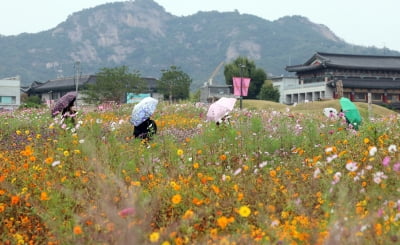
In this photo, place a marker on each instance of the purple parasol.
(64, 102)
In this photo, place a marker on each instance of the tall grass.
(273, 176)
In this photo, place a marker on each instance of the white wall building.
(292, 91)
(10, 93)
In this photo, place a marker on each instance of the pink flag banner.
(239, 83)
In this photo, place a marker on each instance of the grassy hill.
(316, 107)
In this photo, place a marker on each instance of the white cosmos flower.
(317, 172)
(392, 148)
(55, 163)
(237, 171)
(331, 158)
(378, 176)
(275, 223)
(373, 151)
(351, 166)
(263, 164)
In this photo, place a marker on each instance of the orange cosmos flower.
(176, 199)
(197, 201)
(49, 160)
(222, 222)
(215, 189)
(222, 157)
(188, 214)
(14, 200)
(44, 196)
(378, 229)
(78, 230)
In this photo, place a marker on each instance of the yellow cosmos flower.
(196, 165)
(175, 186)
(244, 211)
(188, 214)
(154, 237)
(176, 199)
(179, 152)
(18, 132)
(66, 153)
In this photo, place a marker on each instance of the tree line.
(113, 84)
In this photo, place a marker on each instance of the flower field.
(270, 177)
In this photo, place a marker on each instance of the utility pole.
(76, 79)
(241, 84)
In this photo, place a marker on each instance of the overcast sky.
(359, 22)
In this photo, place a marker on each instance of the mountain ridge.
(146, 38)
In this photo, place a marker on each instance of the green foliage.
(174, 84)
(195, 97)
(113, 84)
(31, 102)
(242, 67)
(268, 92)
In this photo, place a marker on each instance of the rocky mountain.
(146, 38)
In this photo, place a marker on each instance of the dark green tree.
(113, 84)
(268, 92)
(246, 68)
(174, 84)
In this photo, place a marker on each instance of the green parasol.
(351, 112)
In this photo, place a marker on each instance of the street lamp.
(241, 66)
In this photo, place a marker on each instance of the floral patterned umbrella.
(67, 100)
(143, 110)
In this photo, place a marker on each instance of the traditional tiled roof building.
(354, 76)
(54, 89)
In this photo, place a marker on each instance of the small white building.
(293, 91)
(10, 93)
(211, 93)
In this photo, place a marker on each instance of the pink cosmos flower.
(127, 211)
(396, 167)
(386, 161)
